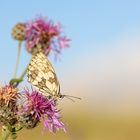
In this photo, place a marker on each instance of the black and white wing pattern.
(42, 76)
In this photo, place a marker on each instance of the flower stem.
(5, 133)
(24, 73)
(16, 81)
(17, 60)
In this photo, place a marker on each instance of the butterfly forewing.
(42, 75)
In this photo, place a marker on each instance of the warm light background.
(102, 66)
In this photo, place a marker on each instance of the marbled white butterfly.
(42, 76)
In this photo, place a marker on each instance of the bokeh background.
(102, 66)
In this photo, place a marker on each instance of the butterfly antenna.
(70, 97)
(73, 97)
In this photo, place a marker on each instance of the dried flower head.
(44, 32)
(38, 108)
(8, 108)
(19, 32)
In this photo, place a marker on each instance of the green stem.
(5, 133)
(24, 73)
(17, 60)
(16, 81)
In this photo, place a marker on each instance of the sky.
(103, 62)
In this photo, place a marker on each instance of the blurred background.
(102, 66)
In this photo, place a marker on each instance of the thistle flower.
(37, 108)
(44, 32)
(8, 108)
(19, 32)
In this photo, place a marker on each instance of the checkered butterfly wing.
(42, 75)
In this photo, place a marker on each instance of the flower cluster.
(41, 34)
(27, 108)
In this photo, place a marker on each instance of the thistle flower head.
(8, 108)
(19, 32)
(40, 108)
(44, 32)
(8, 94)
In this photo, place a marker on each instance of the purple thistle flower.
(44, 32)
(43, 109)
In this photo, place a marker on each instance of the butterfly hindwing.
(42, 75)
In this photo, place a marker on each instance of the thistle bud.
(19, 32)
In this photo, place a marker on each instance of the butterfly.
(42, 76)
